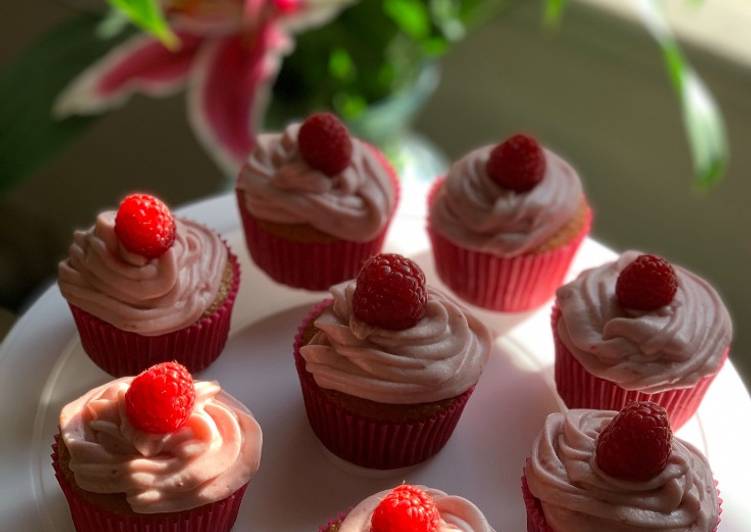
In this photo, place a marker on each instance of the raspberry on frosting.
(161, 398)
(637, 443)
(144, 225)
(517, 164)
(647, 283)
(325, 144)
(390, 292)
(405, 509)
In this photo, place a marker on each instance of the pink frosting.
(457, 514)
(214, 454)
(148, 297)
(475, 213)
(281, 187)
(577, 497)
(672, 347)
(441, 357)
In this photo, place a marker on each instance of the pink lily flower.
(229, 54)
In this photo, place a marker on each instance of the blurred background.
(592, 85)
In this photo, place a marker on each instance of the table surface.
(36, 367)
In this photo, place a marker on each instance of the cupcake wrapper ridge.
(580, 389)
(121, 353)
(368, 442)
(505, 284)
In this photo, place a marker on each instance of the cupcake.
(145, 287)
(639, 329)
(413, 509)
(505, 224)
(387, 366)
(156, 452)
(315, 203)
(600, 470)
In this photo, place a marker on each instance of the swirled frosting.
(457, 514)
(214, 454)
(281, 187)
(441, 357)
(474, 212)
(577, 497)
(133, 293)
(652, 351)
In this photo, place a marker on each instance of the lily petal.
(141, 64)
(228, 89)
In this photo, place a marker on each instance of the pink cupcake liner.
(88, 517)
(310, 265)
(371, 442)
(536, 516)
(122, 353)
(580, 389)
(512, 284)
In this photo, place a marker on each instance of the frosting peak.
(355, 204)
(473, 211)
(577, 497)
(213, 455)
(652, 351)
(439, 358)
(457, 514)
(133, 293)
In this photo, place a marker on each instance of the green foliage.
(554, 12)
(372, 50)
(29, 136)
(147, 15)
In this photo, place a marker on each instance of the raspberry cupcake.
(639, 329)
(315, 203)
(413, 509)
(600, 470)
(505, 224)
(156, 452)
(388, 365)
(145, 287)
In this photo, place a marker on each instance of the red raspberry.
(517, 164)
(390, 292)
(405, 509)
(161, 398)
(325, 144)
(648, 283)
(144, 225)
(637, 443)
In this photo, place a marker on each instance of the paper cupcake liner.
(369, 442)
(536, 516)
(310, 265)
(121, 353)
(512, 284)
(580, 389)
(88, 517)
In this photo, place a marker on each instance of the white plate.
(300, 485)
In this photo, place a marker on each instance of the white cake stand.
(300, 485)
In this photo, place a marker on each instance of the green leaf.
(553, 12)
(411, 16)
(29, 85)
(147, 14)
(702, 118)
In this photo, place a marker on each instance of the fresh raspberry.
(161, 398)
(405, 509)
(144, 225)
(390, 292)
(637, 443)
(325, 144)
(517, 164)
(648, 283)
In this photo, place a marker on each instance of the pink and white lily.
(229, 54)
